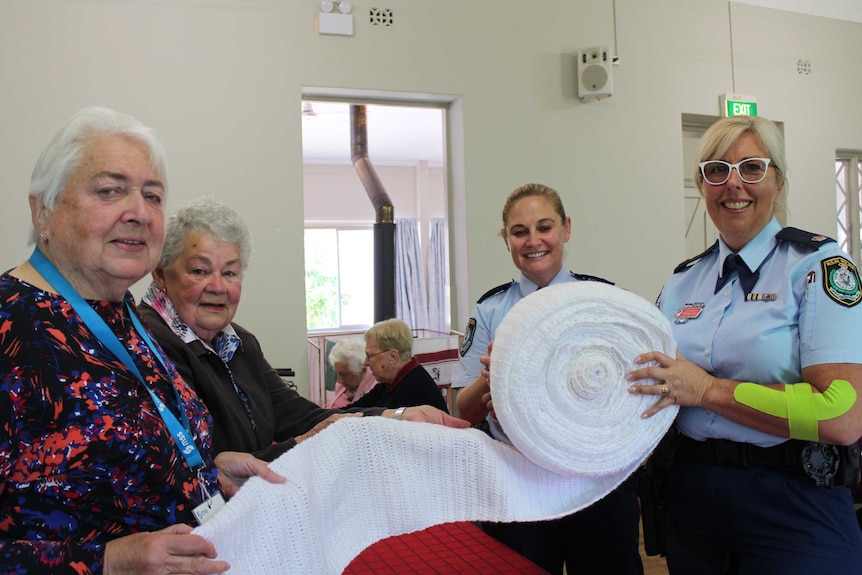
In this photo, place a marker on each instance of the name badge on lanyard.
(212, 503)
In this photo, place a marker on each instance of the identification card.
(205, 511)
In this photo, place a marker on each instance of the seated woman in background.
(403, 382)
(190, 307)
(347, 358)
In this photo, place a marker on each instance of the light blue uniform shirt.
(789, 321)
(488, 315)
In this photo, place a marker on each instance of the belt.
(826, 465)
(786, 456)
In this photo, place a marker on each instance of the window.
(848, 183)
(339, 277)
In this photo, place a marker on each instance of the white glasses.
(750, 171)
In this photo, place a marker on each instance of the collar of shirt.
(527, 286)
(402, 373)
(755, 251)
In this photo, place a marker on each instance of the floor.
(653, 565)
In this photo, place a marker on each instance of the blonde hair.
(725, 132)
(392, 334)
(528, 190)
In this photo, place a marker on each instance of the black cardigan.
(279, 413)
(416, 387)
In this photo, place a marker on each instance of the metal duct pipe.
(384, 222)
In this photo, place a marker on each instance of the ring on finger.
(665, 388)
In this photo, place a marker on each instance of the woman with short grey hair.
(206, 216)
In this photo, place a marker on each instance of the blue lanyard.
(181, 432)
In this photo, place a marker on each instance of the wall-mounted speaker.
(595, 76)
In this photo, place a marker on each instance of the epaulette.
(586, 278)
(690, 262)
(801, 237)
(494, 291)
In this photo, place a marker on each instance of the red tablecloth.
(449, 549)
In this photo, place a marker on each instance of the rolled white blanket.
(415, 475)
(558, 373)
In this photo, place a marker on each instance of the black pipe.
(384, 212)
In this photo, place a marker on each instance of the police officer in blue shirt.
(767, 323)
(602, 539)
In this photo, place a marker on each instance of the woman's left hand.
(235, 467)
(680, 381)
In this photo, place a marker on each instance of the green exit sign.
(737, 105)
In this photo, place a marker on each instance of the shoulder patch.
(469, 332)
(684, 266)
(588, 278)
(807, 239)
(494, 291)
(841, 281)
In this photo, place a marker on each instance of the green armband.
(799, 404)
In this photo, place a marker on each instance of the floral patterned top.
(84, 455)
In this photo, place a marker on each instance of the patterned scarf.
(226, 341)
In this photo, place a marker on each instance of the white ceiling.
(400, 135)
(850, 10)
(397, 135)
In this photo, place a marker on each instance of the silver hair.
(349, 351)
(207, 216)
(61, 157)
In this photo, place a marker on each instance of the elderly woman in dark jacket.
(403, 380)
(189, 307)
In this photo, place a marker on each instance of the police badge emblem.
(468, 336)
(841, 281)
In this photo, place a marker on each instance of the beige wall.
(222, 81)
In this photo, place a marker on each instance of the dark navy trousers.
(759, 521)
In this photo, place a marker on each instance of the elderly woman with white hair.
(105, 454)
(190, 307)
(354, 379)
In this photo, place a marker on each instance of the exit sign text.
(736, 105)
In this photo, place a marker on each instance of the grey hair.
(63, 154)
(207, 216)
(349, 351)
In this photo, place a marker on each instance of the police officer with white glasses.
(768, 375)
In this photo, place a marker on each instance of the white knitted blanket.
(415, 475)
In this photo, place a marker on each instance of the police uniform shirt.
(801, 311)
(487, 316)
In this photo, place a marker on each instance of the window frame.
(847, 187)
